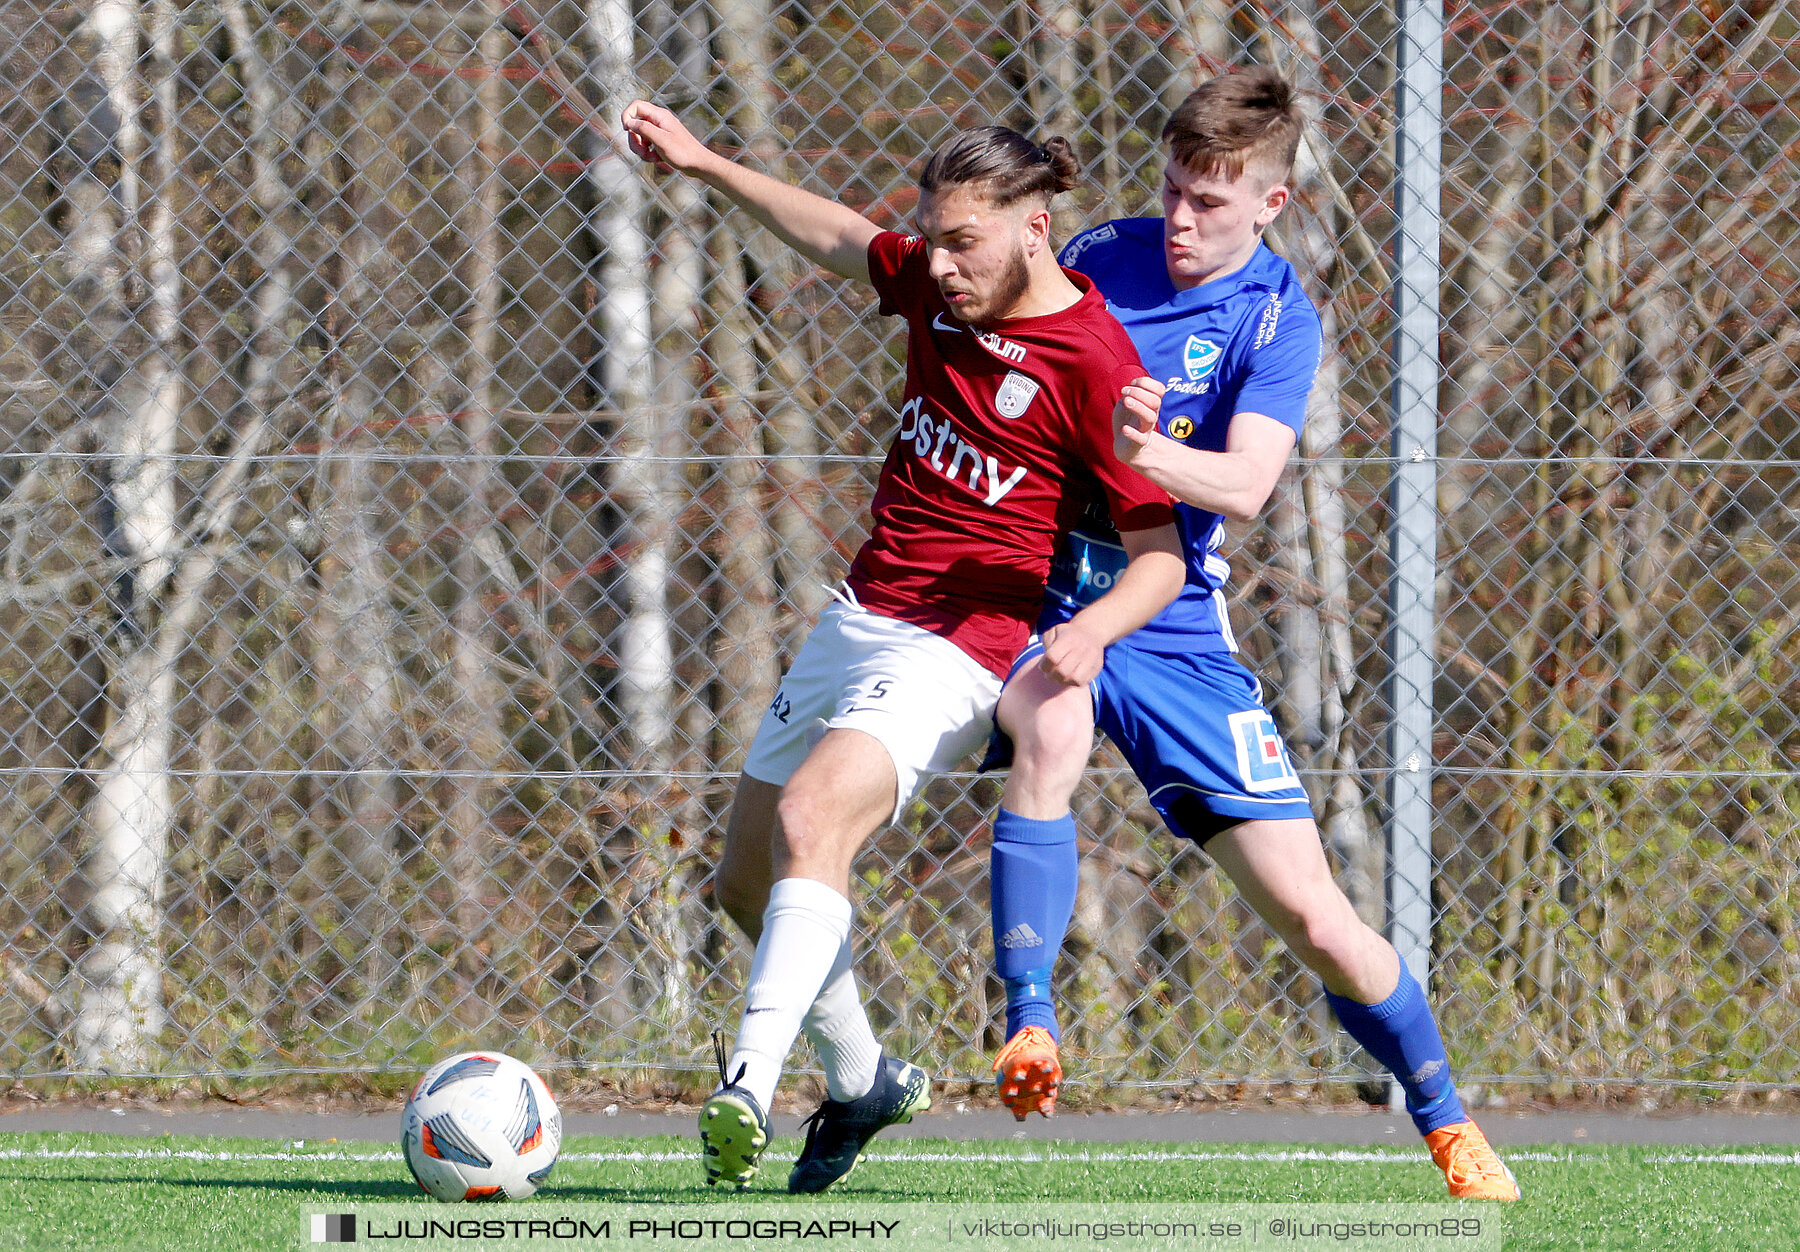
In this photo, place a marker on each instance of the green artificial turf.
(101, 1192)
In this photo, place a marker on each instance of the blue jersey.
(1246, 343)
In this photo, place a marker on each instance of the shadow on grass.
(651, 1193)
(397, 1190)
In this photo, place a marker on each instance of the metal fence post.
(1418, 94)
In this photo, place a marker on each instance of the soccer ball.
(480, 1126)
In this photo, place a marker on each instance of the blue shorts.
(1193, 728)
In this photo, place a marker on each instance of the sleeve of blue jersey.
(1088, 247)
(1278, 376)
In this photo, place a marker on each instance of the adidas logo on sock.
(1021, 936)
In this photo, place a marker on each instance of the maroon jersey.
(1004, 434)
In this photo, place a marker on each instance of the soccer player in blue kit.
(1223, 322)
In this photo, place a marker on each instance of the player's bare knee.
(809, 832)
(1056, 744)
(1326, 942)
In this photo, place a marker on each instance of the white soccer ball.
(480, 1126)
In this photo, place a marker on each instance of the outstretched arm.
(827, 233)
(1236, 482)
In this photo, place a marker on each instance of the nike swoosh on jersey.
(938, 323)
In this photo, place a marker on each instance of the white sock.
(804, 926)
(840, 1033)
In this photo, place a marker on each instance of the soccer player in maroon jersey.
(1017, 382)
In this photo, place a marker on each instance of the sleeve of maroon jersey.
(1136, 502)
(896, 263)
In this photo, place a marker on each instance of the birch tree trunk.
(643, 435)
(132, 813)
(646, 438)
(119, 1009)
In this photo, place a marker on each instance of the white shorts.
(928, 702)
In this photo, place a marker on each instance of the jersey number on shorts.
(1262, 759)
(863, 698)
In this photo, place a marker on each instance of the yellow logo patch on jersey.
(1181, 427)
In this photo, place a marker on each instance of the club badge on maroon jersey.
(1015, 395)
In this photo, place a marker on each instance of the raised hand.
(657, 135)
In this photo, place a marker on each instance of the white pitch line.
(183, 1154)
(1731, 1158)
(1306, 1155)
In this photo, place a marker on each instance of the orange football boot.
(1471, 1166)
(1029, 1073)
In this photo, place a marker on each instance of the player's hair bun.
(1064, 165)
(1003, 163)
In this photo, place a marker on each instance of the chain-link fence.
(408, 506)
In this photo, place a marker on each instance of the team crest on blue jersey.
(1015, 395)
(1181, 427)
(1200, 357)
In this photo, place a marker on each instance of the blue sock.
(1401, 1033)
(1032, 884)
